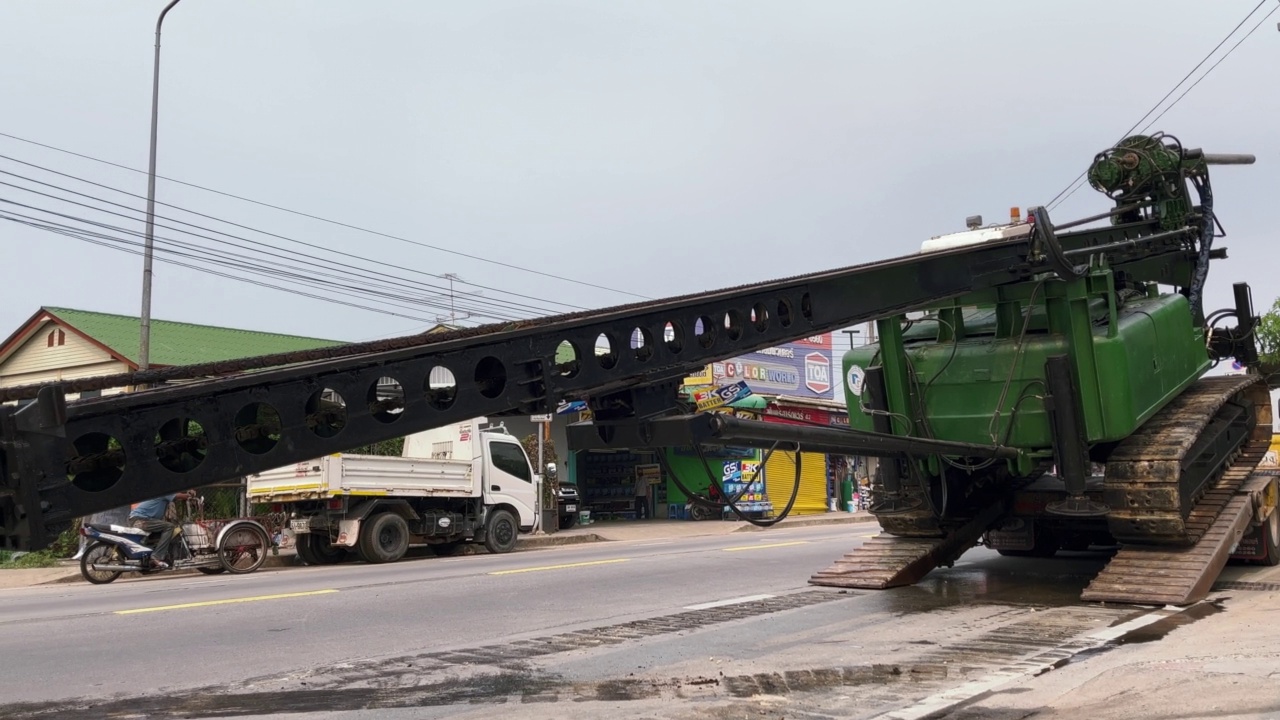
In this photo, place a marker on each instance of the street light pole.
(144, 345)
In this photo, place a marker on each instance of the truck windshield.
(509, 458)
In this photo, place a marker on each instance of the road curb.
(541, 541)
(856, 518)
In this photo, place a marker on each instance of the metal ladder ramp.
(886, 561)
(1184, 576)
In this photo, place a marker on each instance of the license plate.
(300, 525)
(571, 508)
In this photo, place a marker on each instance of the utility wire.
(263, 232)
(293, 291)
(1211, 67)
(256, 270)
(1076, 184)
(441, 304)
(235, 260)
(331, 222)
(359, 271)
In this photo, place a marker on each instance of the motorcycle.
(209, 546)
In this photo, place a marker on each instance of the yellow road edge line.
(207, 603)
(763, 546)
(559, 567)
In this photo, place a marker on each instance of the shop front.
(820, 475)
(788, 384)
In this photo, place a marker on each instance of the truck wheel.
(384, 538)
(100, 553)
(303, 546)
(568, 521)
(500, 532)
(323, 550)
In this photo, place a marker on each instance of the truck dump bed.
(337, 475)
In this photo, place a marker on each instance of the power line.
(236, 260)
(544, 310)
(440, 304)
(294, 291)
(1076, 184)
(331, 222)
(230, 263)
(1211, 67)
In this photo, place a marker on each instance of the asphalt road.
(191, 631)
(704, 628)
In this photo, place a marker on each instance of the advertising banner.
(743, 476)
(801, 368)
(709, 399)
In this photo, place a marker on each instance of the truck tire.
(500, 532)
(303, 546)
(384, 538)
(320, 550)
(568, 521)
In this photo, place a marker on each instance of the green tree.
(550, 486)
(1268, 340)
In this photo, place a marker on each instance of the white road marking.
(1027, 668)
(730, 601)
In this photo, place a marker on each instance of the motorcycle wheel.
(212, 570)
(99, 552)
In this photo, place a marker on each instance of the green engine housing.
(972, 372)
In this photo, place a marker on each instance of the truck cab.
(497, 459)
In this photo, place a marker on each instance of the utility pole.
(144, 344)
(453, 313)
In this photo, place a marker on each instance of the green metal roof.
(178, 343)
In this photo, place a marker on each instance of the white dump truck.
(467, 482)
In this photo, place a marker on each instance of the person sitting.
(149, 515)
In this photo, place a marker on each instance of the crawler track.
(1210, 437)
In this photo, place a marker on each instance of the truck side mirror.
(551, 470)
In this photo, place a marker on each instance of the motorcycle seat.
(117, 529)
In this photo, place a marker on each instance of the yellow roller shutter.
(780, 478)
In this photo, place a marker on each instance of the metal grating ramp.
(1160, 576)
(886, 561)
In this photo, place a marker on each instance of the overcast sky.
(649, 147)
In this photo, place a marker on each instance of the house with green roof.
(62, 343)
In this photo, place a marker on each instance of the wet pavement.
(990, 637)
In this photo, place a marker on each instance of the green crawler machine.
(1035, 387)
(1097, 375)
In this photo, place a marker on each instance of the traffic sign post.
(542, 421)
